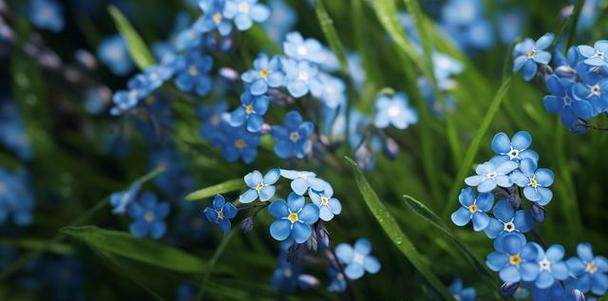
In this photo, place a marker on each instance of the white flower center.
(358, 258)
(303, 75)
(509, 227)
(394, 111)
(513, 154)
(302, 50)
(491, 175)
(596, 90)
(244, 7)
(544, 264)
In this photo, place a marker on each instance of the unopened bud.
(508, 288)
(247, 225)
(537, 212)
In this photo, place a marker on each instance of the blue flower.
(394, 111)
(550, 267)
(265, 73)
(491, 174)
(262, 187)
(511, 24)
(213, 17)
(592, 88)
(301, 77)
(357, 258)
(535, 180)
(221, 213)
(337, 280)
(507, 220)
(590, 272)
(113, 53)
(281, 20)
(46, 14)
(303, 180)
(292, 137)
(444, 66)
(333, 91)
(300, 49)
(473, 208)
(245, 12)
(528, 53)
(561, 101)
(514, 259)
(461, 293)
(192, 73)
(211, 117)
(148, 217)
(285, 277)
(121, 200)
(293, 218)
(16, 198)
(328, 205)
(515, 148)
(596, 55)
(465, 22)
(189, 38)
(251, 111)
(239, 143)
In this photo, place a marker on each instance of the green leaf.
(228, 186)
(471, 152)
(391, 228)
(141, 250)
(327, 25)
(137, 48)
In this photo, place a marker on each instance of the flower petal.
(280, 229)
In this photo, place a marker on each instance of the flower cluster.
(512, 175)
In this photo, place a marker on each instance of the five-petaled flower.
(514, 258)
(260, 186)
(292, 137)
(357, 258)
(303, 180)
(221, 212)
(528, 53)
(591, 272)
(294, 218)
(265, 73)
(251, 111)
(301, 77)
(507, 220)
(244, 12)
(213, 17)
(535, 181)
(491, 174)
(394, 111)
(328, 205)
(562, 101)
(192, 73)
(550, 267)
(596, 55)
(516, 148)
(148, 217)
(473, 208)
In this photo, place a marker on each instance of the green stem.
(216, 256)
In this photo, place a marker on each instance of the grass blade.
(216, 256)
(327, 25)
(394, 232)
(137, 48)
(228, 186)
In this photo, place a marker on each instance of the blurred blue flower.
(301, 181)
(337, 280)
(590, 272)
(46, 14)
(464, 21)
(596, 55)
(192, 73)
(492, 174)
(13, 133)
(333, 91)
(281, 20)
(189, 38)
(265, 73)
(328, 205)
(514, 259)
(16, 197)
(113, 53)
(213, 17)
(300, 49)
(394, 111)
(285, 277)
(507, 220)
(148, 217)
(516, 148)
(239, 143)
(510, 25)
(444, 67)
(245, 12)
(251, 112)
(301, 77)
(293, 137)
(293, 218)
(97, 99)
(211, 119)
(221, 213)
(461, 293)
(529, 53)
(121, 200)
(357, 258)
(535, 180)
(260, 186)
(550, 267)
(561, 101)
(473, 208)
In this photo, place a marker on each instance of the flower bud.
(247, 225)
(578, 295)
(323, 236)
(508, 288)
(537, 212)
(391, 148)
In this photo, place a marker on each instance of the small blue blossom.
(245, 12)
(514, 258)
(265, 73)
(550, 267)
(293, 137)
(465, 22)
(46, 14)
(221, 213)
(591, 272)
(121, 200)
(300, 49)
(596, 55)
(535, 180)
(281, 20)
(516, 148)
(461, 293)
(251, 112)
(444, 67)
(189, 38)
(303, 180)
(301, 77)
(126, 99)
(491, 174)
(507, 220)
(333, 91)
(113, 53)
(192, 73)
(473, 208)
(337, 280)
(213, 17)
(211, 118)
(394, 111)
(285, 277)
(511, 25)
(593, 88)
(239, 143)
(529, 53)
(357, 258)
(148, 217)
(328, 205)
(293, 218)
(561, 101)
(260, 186)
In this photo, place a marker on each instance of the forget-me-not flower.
(211, 118)
(596, 55)
(260, 186)
(491, 174)
(294, 218)
(113, 53)
(550, 267)
(301, 77)
(394, 111)
(213, 17)
(561, 101)
(535, 180)
(593, 87)
(461, 293)
(46, 14)
(281, 20)
(328, 205)
(333, 91)
(514, 258)
(251, 111)
(357, 258)
(528, 53)
(507, 220)
(239, 143)
(221, 213)
(301, 181)
(265, 73)
(148, 217)
(473, 208)
(591, 272)
(285, 277)
(298, 48)
(292, 137)
(245, 12)
(192, 73)
(515, 148)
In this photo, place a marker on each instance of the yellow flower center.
(294, 136)
(215, 119)
(533, 183)
(133, 93)
(293, 217)
(193, 71)
(531, 54)
(217, 18)
(515, 259)
(324, 200)
(149, 216)
(244, 7)
(591, 267)
(240, 144)
(260, 186)
(264, 73)
(248, 109)
(473, 208)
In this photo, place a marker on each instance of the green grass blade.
(137, 48)
(327, 26)
(228, 186)
(394, 232)
(216, 256)
(469, 157)
(141, 250)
